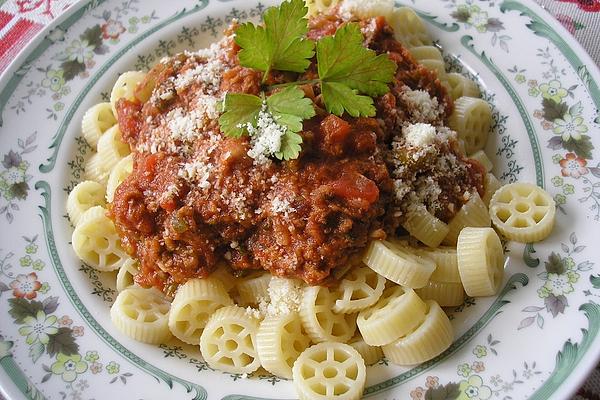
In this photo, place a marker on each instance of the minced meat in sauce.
(196, 199)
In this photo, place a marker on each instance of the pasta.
(194, 302)
(523, 212)
(472, 120)
(370, 354)
(480, 156)
(228, 341)
(490, 184)
(279, 342)
(426, 53)
(398, 265)
(461, 86)
(425, 226)
(409, 28)
(126, 274)
(96, 242)
(97, 120)
(472, 213)
(446, 263)
(112, 149)
(85, 195)
(329, 371)
(397, 313)
(480, 261)
(427, 341)
(95, 170)
(359, 289)
(125, 88)
(117, 175)
(142, 314)
(251, 290)
(319, 320)
(446, 294)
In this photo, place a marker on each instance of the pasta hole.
(231, 345)
(322, 298)
(219, 332)
(319, 357)
(307, 371)
(503, 214)
(340, 356)
(182, 326)
(322, 319)
(319, 388)
(150, 317)
(290, 361)
(339, 389)
(212, 349)
(245, 359)
(538, 215)
(522, 207)
(338, 329)
(330, 372)
(352, 372)
(298, 346)
(520, 223)
(359, 294)
(131, 313)
(201, 318)
(226, 361)
(235, 328)
(112, 259)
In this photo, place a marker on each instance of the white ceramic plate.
(537, 339)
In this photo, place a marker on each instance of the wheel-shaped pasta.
(142, 314)
(472, 120)
(320, 6)
(429, 340)
(85, 195)
(483, 159)
(112, 149)
(367, 9)
(319, 320)
(490, 185)
(446, 261)
(398, 312)
(117, 175)
(195, 301)
(446, 294)
(125, 88)
(359, 289)
(426, 53)
(96, 169)
(228, 342)
(398, 264)
(472, 213)
(96, 121)
(409, 28)
(370, 354)
(424, 226)
(480, 261)
(461, 86)
(523, 212)
(126, 274)
(223, 274)
(279, 342)
(96, 241)
(437, 66)
(329, 371)
(254, 289)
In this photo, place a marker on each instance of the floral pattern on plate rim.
(52, 337)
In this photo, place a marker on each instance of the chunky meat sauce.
(194, 204)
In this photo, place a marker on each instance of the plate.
(536, 340)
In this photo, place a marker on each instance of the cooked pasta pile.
(388, 302)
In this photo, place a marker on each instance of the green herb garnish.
(349, 74)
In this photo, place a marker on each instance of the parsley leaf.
(288, 108)
(280, 44)
(342, 60)
(239, 109)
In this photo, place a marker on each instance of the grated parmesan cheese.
(265, 138)
(422, 107)
(419, 135)
(196, 171)
(285, 296)
(282, 206)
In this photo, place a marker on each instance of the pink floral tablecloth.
(20, 20)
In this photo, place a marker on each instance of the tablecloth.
(20, 20)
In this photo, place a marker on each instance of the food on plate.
(287, 186)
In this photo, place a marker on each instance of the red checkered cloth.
(20, 20)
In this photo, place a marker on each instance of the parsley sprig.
(349, 74)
